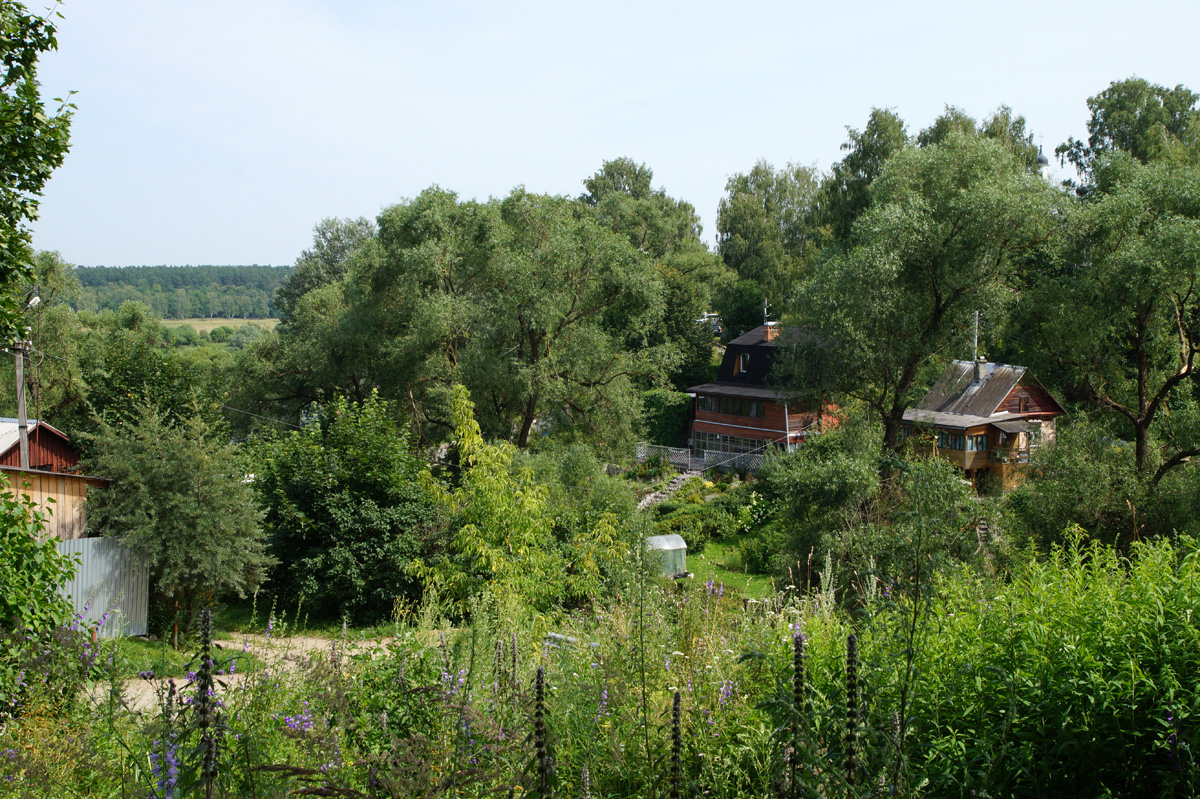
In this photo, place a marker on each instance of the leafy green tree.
(504, 539)
(1136, 117)
(668, 232)
(181, 498)
(1001, 127)
(846, 191)
(657, 224)
(334, 242)
(762, 224)
(345, 512)
(35, 144)
(1116, 322)
(946, 226)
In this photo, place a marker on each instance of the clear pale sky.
(220, 132)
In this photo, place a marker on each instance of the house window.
(1022, 404)
(977, 443)
(741, 363)
(948, 440)
(735, 445)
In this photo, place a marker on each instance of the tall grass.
(1076, 677)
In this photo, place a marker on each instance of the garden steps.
(650, 500)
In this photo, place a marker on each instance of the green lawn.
(722, 563)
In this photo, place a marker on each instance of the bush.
(32, 572)
(181, 499)
(345, 511)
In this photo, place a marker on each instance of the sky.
(221, 132)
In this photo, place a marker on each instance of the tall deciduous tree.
(846, 191)
(763, 233)
(1136, 117)
(1120, 319)
(334, 242)
(945, 226)
(180, 498)
(666, 230)
(35, 144)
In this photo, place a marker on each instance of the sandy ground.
(286, 653)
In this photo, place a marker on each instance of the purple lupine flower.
(727, 690)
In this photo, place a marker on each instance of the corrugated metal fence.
(110, 579)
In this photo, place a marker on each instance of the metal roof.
(758, 336)
(736, 390)
(957, 391)
(10, 433)
(956, 421)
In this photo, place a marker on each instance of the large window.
(977, 443)
(948, 440)
(719, 442)
(734, 406)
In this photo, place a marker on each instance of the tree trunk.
(527, 421)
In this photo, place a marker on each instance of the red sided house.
(986, 418)
(49, 449)
(741, 414)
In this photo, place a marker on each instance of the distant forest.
(183, 292)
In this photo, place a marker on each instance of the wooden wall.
(1037, 400)
(66, 515)
(771, 426)
(47, 452)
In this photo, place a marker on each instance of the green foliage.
(818, 495)
(32, 572)
(182, 292)
(666, 414)
(334, 241)
(762, 224)
(1136, 117)
(180, 497)
(503, 541)
(35, 144)
(1076, 677)
(846, 191)
(344, 512)
(1115, 322)
(947, 226)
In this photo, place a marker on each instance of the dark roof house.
(741, 415)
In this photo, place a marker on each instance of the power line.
(260, 416)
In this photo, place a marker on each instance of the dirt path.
(275, 653)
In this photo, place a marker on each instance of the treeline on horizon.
(183, 292)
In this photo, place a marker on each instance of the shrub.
(345, 511)
(32, 572)
(180, 498)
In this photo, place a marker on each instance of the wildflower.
(146, 675)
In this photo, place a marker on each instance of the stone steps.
(650, 500)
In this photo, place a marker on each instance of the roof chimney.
(772, 331)
(980, 366)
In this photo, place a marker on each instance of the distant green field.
(212, 324)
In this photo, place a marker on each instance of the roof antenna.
(975, 359)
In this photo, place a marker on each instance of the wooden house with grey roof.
(985, 417)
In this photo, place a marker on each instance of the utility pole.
(19, 349)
